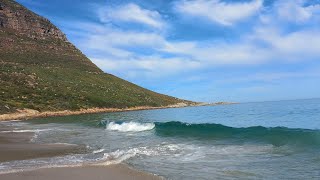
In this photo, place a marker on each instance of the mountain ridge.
(41, 70)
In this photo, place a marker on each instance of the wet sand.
(112, 172)
(17, 146)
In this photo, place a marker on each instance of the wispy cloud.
(121, 38)
(131, 13)
(262, 46)
(166, 55)
(284, 32)
(290, 46)
(273, 77)
(295, 10)
(148, 66)
(218, 11)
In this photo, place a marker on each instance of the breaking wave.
(129, 126)
(276, 136)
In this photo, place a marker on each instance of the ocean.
(263, 140)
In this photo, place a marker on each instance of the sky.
(201, 50)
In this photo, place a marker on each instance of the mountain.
(41, 70)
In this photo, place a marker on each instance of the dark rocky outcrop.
(16, 17)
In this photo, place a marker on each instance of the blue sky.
(202, 50)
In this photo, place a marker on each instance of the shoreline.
(26, 114)
(16, 145)
(13, 143)
(111, 172)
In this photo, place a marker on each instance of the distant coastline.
(221, 103)
(25, 114)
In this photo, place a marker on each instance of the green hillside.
(41, 70)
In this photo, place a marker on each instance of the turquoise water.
(265, 140)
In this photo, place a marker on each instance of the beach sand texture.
(112, 172)
(15, 145)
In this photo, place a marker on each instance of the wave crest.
(129, 126)
(277, 136)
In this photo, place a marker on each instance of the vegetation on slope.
(41, 70)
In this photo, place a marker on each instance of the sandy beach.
(16, 145)
(112, 172)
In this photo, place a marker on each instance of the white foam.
(15, 121)
(65, 144)
(35, 137)
(41, 163)
(130, 126)
(119, 156)
(114, 157)
(25, 130)
(98, 151)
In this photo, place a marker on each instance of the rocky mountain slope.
(41, 70)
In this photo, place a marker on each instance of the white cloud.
(221, 53)
(218, 11)
(123, 51)
(295, 11)
(272, 77)
(152, 66)
(115, 37)
(132, 13)
(262, 46)
(298, 45)
(286, 12)
(114, 43)
(191, 55)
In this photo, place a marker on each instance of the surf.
(129, 126)
(277, 136)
